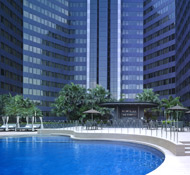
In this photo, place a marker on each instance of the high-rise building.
(85, 42)
(119, 44)
(183, 51)
(102, 38)
(11, 44)
(54, 48)
(159, 46)
(116, 46)
(131, 48)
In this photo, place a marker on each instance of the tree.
(149, 96)
(168, 103)
(13, 107)
(29, 108)
(3, 101)
(97, 96)
(70, 101)
(18, 106)
(73, 100)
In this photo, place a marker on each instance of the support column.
(138, 113)
(17, 123)
(32, 123)
(117, 112)
(7, 126)
(42, 126)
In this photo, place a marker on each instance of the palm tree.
(168, 103)
(96, 96)
(3, 101)
(148, 95)
(18, 106)
(13, 107)
(73, 100)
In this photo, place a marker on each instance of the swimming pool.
(59, 155)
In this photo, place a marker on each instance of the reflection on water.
(62, 155)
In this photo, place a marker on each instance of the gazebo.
(129, 109)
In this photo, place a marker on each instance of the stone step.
(186, 142)
(187, 147)
(187, 154)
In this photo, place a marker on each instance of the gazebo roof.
(178, 108)
(129, 104)
(91, 111)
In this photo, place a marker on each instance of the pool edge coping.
(171, 165)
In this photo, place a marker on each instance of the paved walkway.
(13, 133)
(182, 136)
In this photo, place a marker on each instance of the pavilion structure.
(126, 110)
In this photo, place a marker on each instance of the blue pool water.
(58, 155)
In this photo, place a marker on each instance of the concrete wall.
(176, 149)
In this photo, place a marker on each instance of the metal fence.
(164, 129)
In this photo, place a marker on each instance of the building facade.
(54, 48)
(123, 45)
(183, 51)
(11, 44)
(85, 42)
(131, 48)
(116, 46)
(159, 46)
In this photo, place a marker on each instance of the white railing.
(168, 130)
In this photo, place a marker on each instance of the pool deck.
(13, 133)
(174, 165)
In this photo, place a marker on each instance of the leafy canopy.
(168, 103)
(73, 100)
(3, 101)
(18, 106)
(97, 96)
(148, 95)
(70, 101)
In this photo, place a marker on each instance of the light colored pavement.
(13, 133)
(173, 165)
(182, 136)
